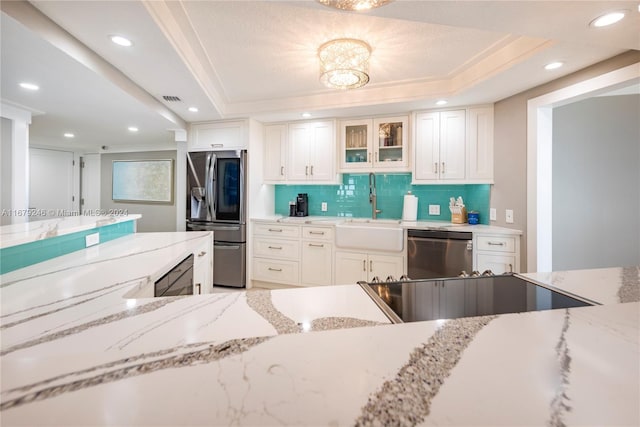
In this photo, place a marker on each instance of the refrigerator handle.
(208, 190)
(214, 186)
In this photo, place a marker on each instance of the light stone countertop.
(422, 224)
(75, 352)
(27, 232)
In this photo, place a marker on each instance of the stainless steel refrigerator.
(216, 201)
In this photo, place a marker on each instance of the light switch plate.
(434, 209)
(509, 216)
(324, 206)
(92, 239)
(492, 214)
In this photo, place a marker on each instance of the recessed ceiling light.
(121, 41)
(441, 102)
(553, 65)
(306, 115)
(608, 19)
(193, 109)
(69, 135)
(29, 86)
(132, 129)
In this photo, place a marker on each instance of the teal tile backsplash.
(351, 198)
(15, 257)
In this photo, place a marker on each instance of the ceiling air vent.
(170, 98)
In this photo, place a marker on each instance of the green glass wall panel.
(20, 256)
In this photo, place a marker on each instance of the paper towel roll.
(410, 208)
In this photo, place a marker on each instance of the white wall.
(5, 169)
(596, 183)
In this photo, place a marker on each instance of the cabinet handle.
(275, 247)
(306, 170)
(217, 145)
(510, 268)
(376, 155)
(199, 288)
(277, 230)
(435, 167)
(317, 232)
(495, 243)
(368, 156)
(282, 170)
(370, 265)
(316, 246)
(443, 167)
(311, 170)
(201, 254)
(275, 269)
(364, 265)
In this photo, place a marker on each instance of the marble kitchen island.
(76, 351)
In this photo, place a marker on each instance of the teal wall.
(351, 198)
(15, 257)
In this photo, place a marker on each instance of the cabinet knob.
(201, 254)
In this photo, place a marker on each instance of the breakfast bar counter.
(76, 350)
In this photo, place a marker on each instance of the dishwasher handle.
(439, 234)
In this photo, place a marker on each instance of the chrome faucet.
(372, 195)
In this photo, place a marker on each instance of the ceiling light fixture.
(608, 19)
(356, 5)
(69, 135)
(133, 129)
(306, 115)
(344, 63)
(121, 41)
(29, 86)
(193, 109)
(553, 65)
(441, 102)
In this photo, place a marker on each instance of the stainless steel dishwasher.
(438, 253)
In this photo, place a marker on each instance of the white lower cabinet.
(203, 268)
(498, 253)
(352, 267)
(299, 255)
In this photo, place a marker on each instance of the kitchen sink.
(382, 235)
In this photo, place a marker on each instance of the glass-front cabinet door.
(391, 142)
(356, 144)
(375, 144)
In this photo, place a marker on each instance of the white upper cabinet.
(311, 152)
(480, 144)
(439, 153)
(275, 140)
(453, 146)
(223, 135)
(380, 144)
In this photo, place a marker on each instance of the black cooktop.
(451, 298)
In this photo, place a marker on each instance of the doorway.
(50, 183)
(540, 158)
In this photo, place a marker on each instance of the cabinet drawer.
(277, 230)
(317, 233)
(273, 248)
(498, 264)
(269, 270)
(497, 243)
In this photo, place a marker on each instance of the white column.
(21, 119)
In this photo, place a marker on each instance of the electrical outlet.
(434, 209)
(92, 239)
(493, 214)
(324, 206)
(509, 216)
